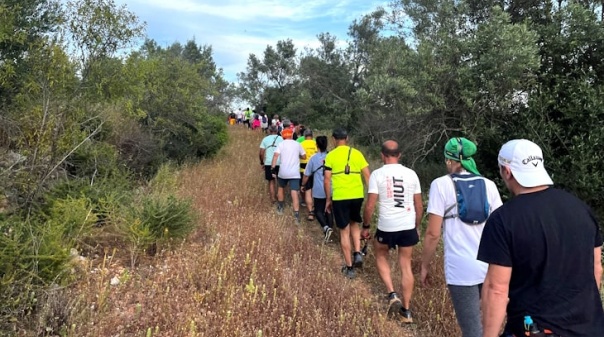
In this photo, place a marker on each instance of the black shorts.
(309, 182)
(268, 175)
(405, 238)
(346, 211)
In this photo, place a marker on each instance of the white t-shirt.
(395, 186)
(289, 153)
(461, 240)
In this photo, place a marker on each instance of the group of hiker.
(250, 118)
(533, 262)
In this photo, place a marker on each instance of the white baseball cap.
(525, 160)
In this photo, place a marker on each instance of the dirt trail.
(246, 271)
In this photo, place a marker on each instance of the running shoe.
(357, 260)
(297, 216)
(279, 209)
(349, 272)
(405, 316)
(394, 306)
(328, 232)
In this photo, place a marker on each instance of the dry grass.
(246, 272)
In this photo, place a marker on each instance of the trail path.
(246, 271)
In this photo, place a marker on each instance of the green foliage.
(166, 217)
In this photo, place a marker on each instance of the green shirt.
(346, 186)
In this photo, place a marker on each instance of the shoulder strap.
(450, 208)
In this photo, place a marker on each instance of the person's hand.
(365, 234)
(424, 276)
(328, 206)
(302, 189)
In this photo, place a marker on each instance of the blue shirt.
(269, 144)
(314, 165)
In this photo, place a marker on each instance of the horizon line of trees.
(422, 71)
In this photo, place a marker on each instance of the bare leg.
(345, 244)
(280, 195)
(271, 190)
(355, 230)
(383, 267)
(404, 259)
(308, 199)
(295, 201)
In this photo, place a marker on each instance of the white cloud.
(236, 28)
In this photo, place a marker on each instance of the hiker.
(247, 116)
(267, 151)
(310, 147)
(463, 273)
(345, 171)
(264, 122)
(544, 250)
(290, 152)
(398, 191)
(256, 123)
(239, 116)
(313, 180)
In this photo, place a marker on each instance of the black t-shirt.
(548, 238)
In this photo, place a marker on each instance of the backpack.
(471, 199)
(264, 120)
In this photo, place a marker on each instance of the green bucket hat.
(461, 149)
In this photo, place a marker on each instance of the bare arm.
(275, 157)
(327, 186)
(418, 203)
(261, 155)
(598, 266)
(431, 240)
(369, 207)
(494, 299)
(366, 174)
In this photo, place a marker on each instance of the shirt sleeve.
(262, 145)
(436, 199)
(495, 242)
(418, 186)
(373, 184)
(494, 197)
(278, 148)
(309, 167)
(362, 162)
(328, 162)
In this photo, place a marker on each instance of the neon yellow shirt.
(346, 186)
(310, 147)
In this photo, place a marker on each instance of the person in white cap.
(544, 251)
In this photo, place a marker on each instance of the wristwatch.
(366, 225)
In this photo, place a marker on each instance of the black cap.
(339, 133)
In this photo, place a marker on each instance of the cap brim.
(533, 179)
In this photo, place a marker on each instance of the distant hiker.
(463, 273)
(398, 191)
(239, 116)
(267, 150)
(289, 152)
(310, 147)
(345, 171)
(544, 250)
(264, 122)
(313, 178)
(247, 116)
(256, 123)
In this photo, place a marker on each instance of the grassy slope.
(248, 272)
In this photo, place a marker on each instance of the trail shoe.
(405, 316)
(349, 272)
(357, 260)
(297, 216)
(394, 306)
(327, 232)
(280, 208)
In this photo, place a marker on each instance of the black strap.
(274, 141)
(348, 164)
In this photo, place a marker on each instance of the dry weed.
(246, 272)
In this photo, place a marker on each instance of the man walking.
(313, 177)
(398, 191)
(310, 148)
(290, 152)
(345, 171)
(267, 150)
(544, 251)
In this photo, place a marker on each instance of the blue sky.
(237, 28)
